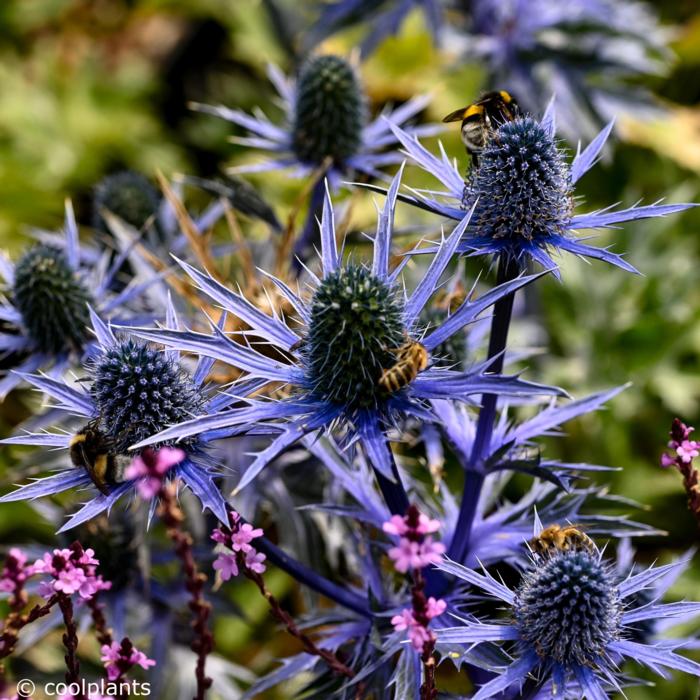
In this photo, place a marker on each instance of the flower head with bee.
(135, 390)
(346, 360)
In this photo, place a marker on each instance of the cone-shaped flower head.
(523, 192)
(129, 195)
(52, 300)
(568, 608)
(139, 390)
(329, 112)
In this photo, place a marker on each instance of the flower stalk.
(203, 642)
(508, 269)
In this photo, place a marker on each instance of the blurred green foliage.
(90, 87)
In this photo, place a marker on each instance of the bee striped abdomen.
(411, 358)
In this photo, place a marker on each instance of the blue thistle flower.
(335, 370)
(135, 390)
(139, 390)
(128, 195)
(47, 291)
(52, 301)
(571, 619)
(585, 51)
(523, 191)
(325, 117)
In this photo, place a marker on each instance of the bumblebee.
(411, 358)
(563, 539)
(481, 118)
(92, 450)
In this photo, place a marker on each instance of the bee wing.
(456, 116)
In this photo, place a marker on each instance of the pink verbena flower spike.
(120, 657)
(684, 451)
(415, 551)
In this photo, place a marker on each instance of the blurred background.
(95, 86)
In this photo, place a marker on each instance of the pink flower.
(150, 467)
(426, 526)
(419, 635)
(138, 658)
(406, 556)
(69, 581)
(667, 460)
(435, 607)
(226, 565)
(254, 561)
(403, 620)
(119, 657)
(396, 525)
(688, 450)
(430, 552)
(240, 540)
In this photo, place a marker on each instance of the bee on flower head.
(411, 358)
(93, 451)
(481, 119)
(562, 539)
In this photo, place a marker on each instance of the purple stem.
(304, 245)
(508, 269)
(315, 581)
(393, 491)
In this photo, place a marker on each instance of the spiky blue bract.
(139, 390)
(525, 195)
(569, 624)
(352, 324)
(382, 17)
(135, 389)
(51, 299)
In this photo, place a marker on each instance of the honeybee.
(92, 450)
(481, 118)
(411, 358)
(564, 539)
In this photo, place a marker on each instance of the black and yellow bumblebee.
(480, 119)
(92, 450)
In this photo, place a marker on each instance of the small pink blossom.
(226, 565)
(406, 556)
(254, 561)
(688, 450)
(119, 657)
(150, 467)
(435, 607)
(403, 620)
(396, 525)
(240, 540)
(426, 525)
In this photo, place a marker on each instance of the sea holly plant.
(133, 391)
(353, 325)
(44, 308)
(326, 130)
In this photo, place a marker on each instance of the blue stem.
(393, 491)
(315, 581)
(304, 245)
(508, 269)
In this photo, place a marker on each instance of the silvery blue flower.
(523, 195)
(352, 324)
(45, 304)
(134, 390)
(571, 624)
